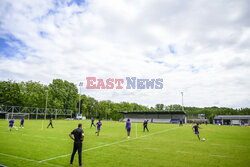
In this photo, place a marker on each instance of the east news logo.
(131, 83)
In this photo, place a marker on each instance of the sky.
(198, 47)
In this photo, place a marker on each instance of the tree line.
(61, 94)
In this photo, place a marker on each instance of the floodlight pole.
(182, 101)
(12, 111)
(96, 112)
(36, 112)
(80, 85)
(109, 107)
(109, 110)
(56, 114)
(46, 104)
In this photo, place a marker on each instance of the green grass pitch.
(165, 145)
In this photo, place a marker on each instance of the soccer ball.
(16, 129)
(203, 139)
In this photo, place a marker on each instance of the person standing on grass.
(11, 123)
(128, 127)
(50, 123)
(196, 130)
(78, 138)
(145, 125)
(22, 122)
(92, 122)
(98, 124)
(181, 123)
(242, 123)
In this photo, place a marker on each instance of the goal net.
(17, 116)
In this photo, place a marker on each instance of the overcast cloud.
(200, 47)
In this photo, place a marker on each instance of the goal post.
(17, 116)
(19, 112)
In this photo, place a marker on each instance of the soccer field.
(165, 145)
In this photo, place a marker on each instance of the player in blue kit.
(22, 122)
(128, 127)
(11, 123)
(98, 124)
(196, 130)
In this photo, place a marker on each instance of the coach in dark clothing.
(145, 125)
(92, 122)
(50, 123)
(78, 138)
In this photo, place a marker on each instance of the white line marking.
(26, 159)
(212, 155)
(52, 137)
(105, 145)
(53, 158)
(150, 148)
(124, 145)
(184, 152)
(218, 155)
(34, 136)
(101, 143)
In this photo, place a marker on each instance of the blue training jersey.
(128, 124)
(196, 128)
(11, 122)
(99, 124)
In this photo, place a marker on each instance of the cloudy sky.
(200, 47)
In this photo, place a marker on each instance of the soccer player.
(78, 138)
(145, 125)
(242, 123)
(92, 122)
(196, 130)
(128, 127)
(11, 123)
(98, 124)
(181, 123)
(22, 122)
(50, 123)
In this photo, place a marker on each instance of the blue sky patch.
(52, 12)
(43, 34)
(159, 62)
(10, 46)
(77, 2)
(194, 69)
(3, 43)
(58, 4)
(171, 49)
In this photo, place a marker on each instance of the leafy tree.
(159, 107)
(34, 94)
(62, 94)
(10, 93)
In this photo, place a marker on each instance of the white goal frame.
(17, 116)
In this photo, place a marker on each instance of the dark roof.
(154, 112)
(232, 117)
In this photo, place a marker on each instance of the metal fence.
(35, 112)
